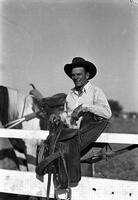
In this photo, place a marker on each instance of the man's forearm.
(100, 110)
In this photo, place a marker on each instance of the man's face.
(79, 76)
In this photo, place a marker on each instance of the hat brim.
(90, 67)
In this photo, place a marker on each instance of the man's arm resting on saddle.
(100, 106)
(100, 110)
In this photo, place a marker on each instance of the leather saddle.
(60, 151)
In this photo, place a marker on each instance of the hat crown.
(78, 60)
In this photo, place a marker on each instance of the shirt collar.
(84, 90)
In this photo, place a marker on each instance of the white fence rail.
(26, 183)
(120, 138)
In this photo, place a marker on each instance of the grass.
(123, 126)
(124, 166)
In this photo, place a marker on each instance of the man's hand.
(76, 114)
(54, 119)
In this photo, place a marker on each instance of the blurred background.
(37, 38)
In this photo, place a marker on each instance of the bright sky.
(40, 37)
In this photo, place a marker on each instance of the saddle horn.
(31, 84)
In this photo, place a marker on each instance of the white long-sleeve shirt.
(92, 98)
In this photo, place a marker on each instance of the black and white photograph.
(68, 99)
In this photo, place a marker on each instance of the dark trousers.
(72, 144)
(91, 128)
(78, 145)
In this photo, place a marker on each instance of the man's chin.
(77, 84)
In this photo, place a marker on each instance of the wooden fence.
(26, 183)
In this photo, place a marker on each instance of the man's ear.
(87, 75)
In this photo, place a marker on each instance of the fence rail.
(120, 138)
(26, 183)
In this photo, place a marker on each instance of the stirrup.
(64, 194)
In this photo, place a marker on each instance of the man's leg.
(90, 129)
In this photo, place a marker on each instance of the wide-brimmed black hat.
(80, 62)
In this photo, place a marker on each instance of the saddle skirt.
(61, 150)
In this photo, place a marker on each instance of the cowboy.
(84, 97)
(86, 114)
(86, 107)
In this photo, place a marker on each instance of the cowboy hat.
(81, 62)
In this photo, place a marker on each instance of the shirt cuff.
(85, 108)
